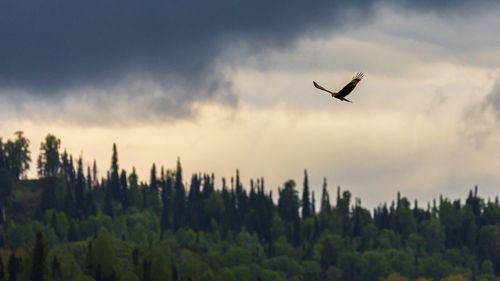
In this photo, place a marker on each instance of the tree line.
(68, 224)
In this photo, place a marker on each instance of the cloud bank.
(166, 52)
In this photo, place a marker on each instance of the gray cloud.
(492, 101)
(54, 49)
(481, 120)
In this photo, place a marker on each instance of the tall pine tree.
(114, 181)
(80, 190)
(306, 203)
(180, 198)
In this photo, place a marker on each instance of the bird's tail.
(344, 99)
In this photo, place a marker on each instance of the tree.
(325, 199)
(94, 174)
(288, 202)
(374, 266)
(39, 255)
(288, 208)
(489, 245)
(124, 190)
(395, 277)
(153, 190)
(434, 235)
(114, 181)
(134, 194)
(18, 155)
(103, 259)
(306, 203)
(48, 161)
(180, 198)
(80, 190)
(108, 203)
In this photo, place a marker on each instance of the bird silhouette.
(346, 90)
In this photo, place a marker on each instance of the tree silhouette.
(114, 181)
(48, 161)
(306, 203)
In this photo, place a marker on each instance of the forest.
(70, 224)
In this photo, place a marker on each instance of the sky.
(227, 85)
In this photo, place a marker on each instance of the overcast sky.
(228, 85)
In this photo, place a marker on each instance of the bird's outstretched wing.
(321, 88)
(350, 86)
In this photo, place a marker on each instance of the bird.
(346, 90)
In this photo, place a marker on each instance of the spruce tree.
(124, 190)
(114, 181)
(89, 179)
(306, 204)
(69, 202)
(108, 203)
(325, 199)
(79, 190)
(94, 174)
(153, 193)
(165, 198)
(180, 198)
(313, 205)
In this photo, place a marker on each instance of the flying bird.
(346, 90)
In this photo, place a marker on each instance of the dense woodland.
(72, 224)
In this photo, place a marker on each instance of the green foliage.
(395, 277)
(130, 276)
(433, 233)
(119, 228)
(311, 271)
(226, 274)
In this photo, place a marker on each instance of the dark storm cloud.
(54, 48)
(51, 46)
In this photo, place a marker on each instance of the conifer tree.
(71, 170)
(114, 181)
(325, 199)
(153, 190)
(313, 205)
(166, 194)
(124, 190)
(193, 203)
(306, 204)
(69, 202)
(94, 174)
(180, 198)
(108, 204)
(80, 190)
